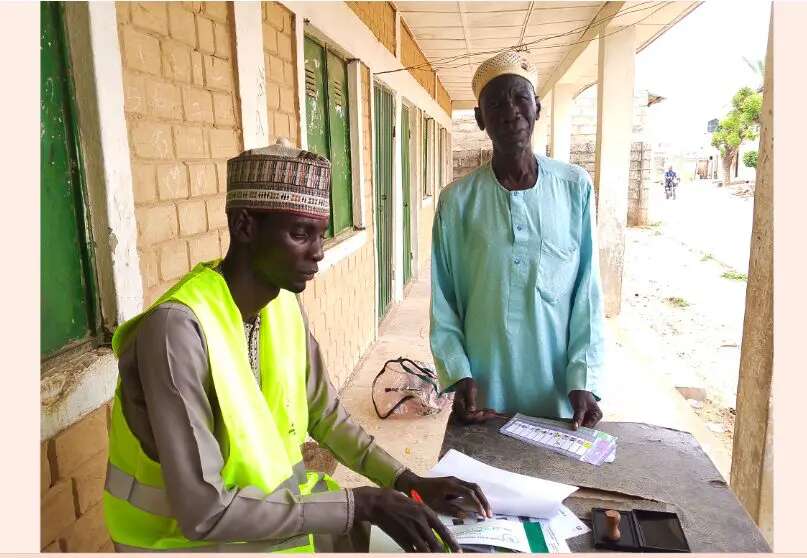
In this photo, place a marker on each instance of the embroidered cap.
(507, 62)
(280, 178)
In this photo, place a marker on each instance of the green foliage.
(735, 276)
(740, 124)
(750, 159)
(677, 301)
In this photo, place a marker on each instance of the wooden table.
(655, 469)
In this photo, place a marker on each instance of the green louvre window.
(382, 178)
(328, 123)
(67, 308)
(428, 157)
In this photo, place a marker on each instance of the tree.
(750, 159)
(739, 125)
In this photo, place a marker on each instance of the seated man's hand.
(410, 524)
(446, 495)
(464, 408)
(586, 410)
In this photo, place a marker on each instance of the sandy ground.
(684, 293)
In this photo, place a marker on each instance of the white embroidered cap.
(507, 62)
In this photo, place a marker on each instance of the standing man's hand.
(586, 410)
(464, 408)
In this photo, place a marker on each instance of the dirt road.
(684, 292)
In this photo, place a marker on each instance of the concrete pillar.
(561, 135)
(540, 134)
(612, 155)
(752, 457)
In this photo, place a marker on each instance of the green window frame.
(68, 309)
(427, 143)
(441, 158)
(328, 126)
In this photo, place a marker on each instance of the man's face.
(286, 248)
(508, 109)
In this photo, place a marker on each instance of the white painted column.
(356, 141)
(612, 157)
(561, 134)
(98, 76)
(251, 73)
(540, 134)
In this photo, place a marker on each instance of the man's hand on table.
(586, 410)
(464, 408)
(446, 495)
(410, 524)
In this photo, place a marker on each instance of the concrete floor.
(633, 391)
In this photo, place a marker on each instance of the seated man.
(220, 383)
(516, 309)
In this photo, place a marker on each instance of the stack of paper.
(508, 493)
(529, 513)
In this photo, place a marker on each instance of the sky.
(698, 66)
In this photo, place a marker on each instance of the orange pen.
(416, 497)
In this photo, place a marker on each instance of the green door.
(328, 126)
(384, 119)
(407, 196)
(67, 299)
(425, 157)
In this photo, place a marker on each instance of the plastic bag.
(408, 388)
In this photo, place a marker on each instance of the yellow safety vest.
(261, 430)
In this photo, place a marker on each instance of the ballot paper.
(482, 535)
(584, 444)
(528, 511)
(507, 493)
(566, 525)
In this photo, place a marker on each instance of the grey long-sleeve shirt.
(170, 405)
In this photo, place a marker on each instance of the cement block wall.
(73, 469)
(183, 120)
(379, 17)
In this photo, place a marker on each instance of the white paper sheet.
(500, 531)
(566, 524)
(508, 493)
(554, 542)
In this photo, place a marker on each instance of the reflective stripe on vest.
(258, 546)
(119, 484)
(155, 500)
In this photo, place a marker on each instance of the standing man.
(516, 310)
(220, 383)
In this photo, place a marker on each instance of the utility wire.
(437, 64)
(538, 39)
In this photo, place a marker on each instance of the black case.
(641, 530)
